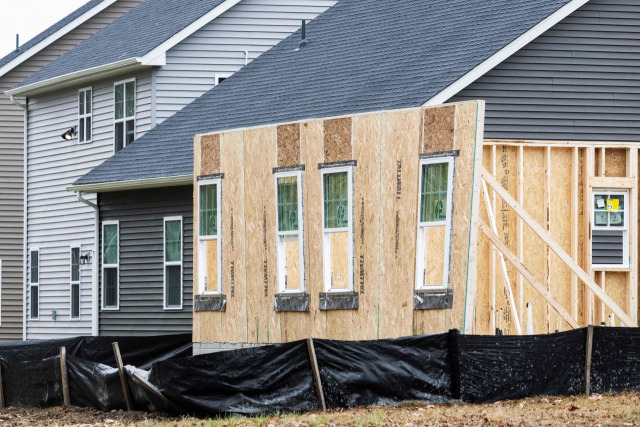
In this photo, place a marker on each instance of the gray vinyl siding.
(55, 218)
(12, 170)
(219, 47)
(141, 217)
(580, 80)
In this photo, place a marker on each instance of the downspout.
(94, 265)
(24, 218)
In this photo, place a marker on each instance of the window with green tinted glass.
(173, 262)
(433, 192)
(288, 203)
(208, 210)
(336, 200)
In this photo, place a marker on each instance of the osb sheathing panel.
(615, 162)
(439, 129)
(260, 159)
(210, 154)
(288, 145)
(234, 322)
(337, 140)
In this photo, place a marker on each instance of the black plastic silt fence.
(311, 374)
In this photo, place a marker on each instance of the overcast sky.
(30, 17)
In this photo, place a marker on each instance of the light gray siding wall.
(55, 218)
(580, 80)
(219, 47)
(12, 170)
(141, 218)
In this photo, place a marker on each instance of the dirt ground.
(596, 410)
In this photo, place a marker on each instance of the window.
(434, 223)
(75, 282)
(209, 237)
(124, 113)
(610, 231)
(337, 229)
(85, 109)
(220, 77)
(110, 265)
(34, 283)
(290, 240)
(173, 263)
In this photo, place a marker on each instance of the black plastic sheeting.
(615, 360)
(493, 368)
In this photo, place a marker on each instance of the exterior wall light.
(68, 135)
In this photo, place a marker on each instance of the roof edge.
(505, 52)
(136, 184)
(80, 77)
(55, 36)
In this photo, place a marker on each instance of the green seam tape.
(473, 178)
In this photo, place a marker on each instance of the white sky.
(30, 17)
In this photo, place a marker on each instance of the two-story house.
(96, 100)
(14, 68)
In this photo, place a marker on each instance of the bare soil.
(596, 410)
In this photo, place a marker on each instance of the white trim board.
(505, 53)
(55, 36)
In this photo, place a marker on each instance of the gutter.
(136, 184)
(24, 216)
(94, 265)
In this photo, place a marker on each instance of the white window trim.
(117, 306)
(82, 117)
(326, 255)
(124, 118)
(280, 237)
(447, 223)
(166, 263)
(202, 262)
(32, 284)
(218, 76)
(71, 282)
(624, 228)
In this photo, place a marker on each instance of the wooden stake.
(123, 378)
(587, 361)
(152, 389)
(316, 374)
(63, 372)
(557, 249)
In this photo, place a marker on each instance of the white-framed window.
(209, 236)
(337, 228)
(110, 265)
(75, 279)
(173, 262)
(34, 283)
(289, 232)
(85, 111)
(220, 77)
(610, 230)
(435, 212)
(124, 110)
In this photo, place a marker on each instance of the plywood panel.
(210, 154)
(434, 255)
(211, 250)
(289, 145)
(234, 285)
(337, 140)
(339, 244)
(615, 162)
(260, 158)
(439, 129)
(400, 144)
(311, 154)
(616, 288)
(292, 265)
(366, 151)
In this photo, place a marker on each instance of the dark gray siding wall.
(141, 214)
(580, 80)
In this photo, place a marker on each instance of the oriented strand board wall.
(386, 149)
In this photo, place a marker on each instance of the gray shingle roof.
(49, 31)
(132, 35)
(363, 55)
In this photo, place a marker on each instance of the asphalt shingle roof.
(49, 31)
(363, 55)
(132, 35)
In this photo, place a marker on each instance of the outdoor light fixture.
(68, 135)
(85, 259)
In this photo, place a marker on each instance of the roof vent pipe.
(304, 41)
(17, 42)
